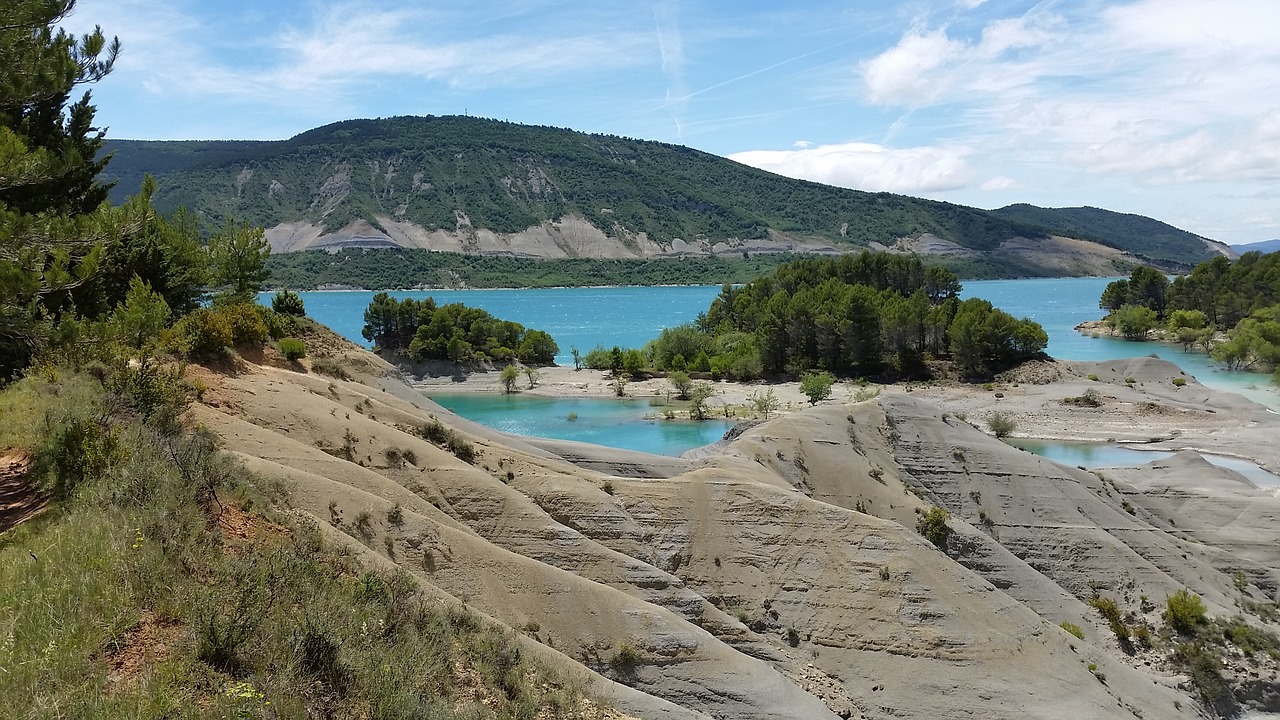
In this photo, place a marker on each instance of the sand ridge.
(781, 576)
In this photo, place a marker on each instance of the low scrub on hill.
(165, 580)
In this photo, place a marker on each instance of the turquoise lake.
(631, 316)
(631, 424)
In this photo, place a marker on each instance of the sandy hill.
(781, 577)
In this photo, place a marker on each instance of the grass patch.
(129, 599)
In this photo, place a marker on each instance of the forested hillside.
(1137, 234)
(507, 177)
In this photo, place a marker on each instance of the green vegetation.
(288, 303)
(132, 562)
(816, 386)
(933, 526)
(1137, 234)
(1184, 612)
(1110, 612)
(1229, 309)
(454, 332)
(390, 269)
(510, 374)
(1001, 425)
(130, 595)
(507, 178)
(852, 316)
(1073, 628)
(436, 433)
(292, 348)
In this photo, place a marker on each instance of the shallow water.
(1090, 455)
(631, 316)
(630, 424)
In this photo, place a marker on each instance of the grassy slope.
(134, 597)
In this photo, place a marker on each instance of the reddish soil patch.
(240, 527)
(146, 644)
(19, 500)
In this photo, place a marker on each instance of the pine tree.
(53, 216)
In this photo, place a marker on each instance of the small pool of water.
(1092, 455)
(630, 424)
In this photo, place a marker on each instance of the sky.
(1165, 108)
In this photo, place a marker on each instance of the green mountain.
(484, 187)
(1137, 234)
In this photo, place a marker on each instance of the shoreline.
(353, 289)
(1151, 413)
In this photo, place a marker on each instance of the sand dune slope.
(778, 578)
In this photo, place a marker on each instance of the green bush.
(933, 526)
(817, 386)
(293, 348)
(1108, 609)
(247, 324)
(1001, 425)
(278, 325)
(1179, 382)
(202, 333)
(288, 303)
(1073, 628)
(1184, 611)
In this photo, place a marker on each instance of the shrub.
(1072, 628)
(437, 434)
(202, 333)
(293, 348)
(1179, 382)
(278, 324)
(817, 386)
(246, 323)
(1108, 609)
(626, 658)
(1001, 425)
(288, 303)
(330, 367)
(510, 374)
(1205, 671)
(81, 450)
(1184, 611)
(933, 526)
(1089, 398)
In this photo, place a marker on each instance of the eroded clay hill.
(779, 578)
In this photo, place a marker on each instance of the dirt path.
(19, 501)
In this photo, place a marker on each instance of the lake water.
(1091, 455)
(631, 424)
(631, 316)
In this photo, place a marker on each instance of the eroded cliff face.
(778, 578)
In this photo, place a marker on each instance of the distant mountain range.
(485, 187)
(1263, 246)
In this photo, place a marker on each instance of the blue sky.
(1167, 108)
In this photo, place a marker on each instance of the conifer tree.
(53, 216)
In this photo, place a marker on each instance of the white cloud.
(801, 144)
(867, 166)
(1000, 182)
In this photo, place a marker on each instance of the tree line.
(452, 332)
(76, 272)
(868, 315)
(1229, 309)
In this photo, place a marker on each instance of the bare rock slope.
(781, 577)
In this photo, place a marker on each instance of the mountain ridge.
(485, 187)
